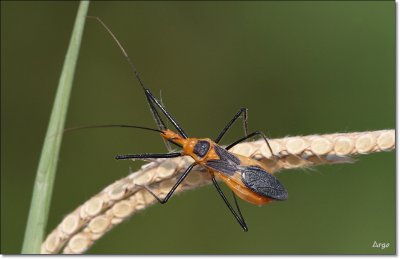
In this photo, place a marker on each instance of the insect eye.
(201, 148)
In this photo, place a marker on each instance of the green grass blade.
(46, 172)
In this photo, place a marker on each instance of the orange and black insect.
(247, 178)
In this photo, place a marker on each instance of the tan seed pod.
(78, 244)
(122, 209)
(52, 242)
(386, 140)
(117, 192)
(365, 143)
(293, 161)
(145, 177)
(166, 169)
(321, 146)
(275, 146)
(194, 178)
(93, 206)
(243, 149)
(99, 224)
(70, 224)
(343, 146)
(295, 145)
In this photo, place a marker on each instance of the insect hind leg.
(169, 194)
(238, 216)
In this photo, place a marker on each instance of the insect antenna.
(120, 126)
(149, 96)
(111, 126)
(122, 49)
(156, 116)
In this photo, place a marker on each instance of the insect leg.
(180, 180)
(252, 135)
(147, 155)
(238, 208)
(160, 123)
(153, 100)
(227, 127)
(239, 217)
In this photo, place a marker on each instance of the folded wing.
(262, 182)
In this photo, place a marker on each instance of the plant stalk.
(43, 186)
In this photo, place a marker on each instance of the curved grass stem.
(89, 222)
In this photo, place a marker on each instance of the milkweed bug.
(248, 179)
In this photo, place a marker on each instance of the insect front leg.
(147, 155)
(153, 101)
(180, 180)
(229, 125)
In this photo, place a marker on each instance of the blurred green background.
(300, 68)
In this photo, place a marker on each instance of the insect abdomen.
(242, 191)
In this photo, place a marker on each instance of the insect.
(248, 179)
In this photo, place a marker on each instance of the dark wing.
(263, 183)
(226, 156)
(223, 167)
(227, 162)
(253, 177)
